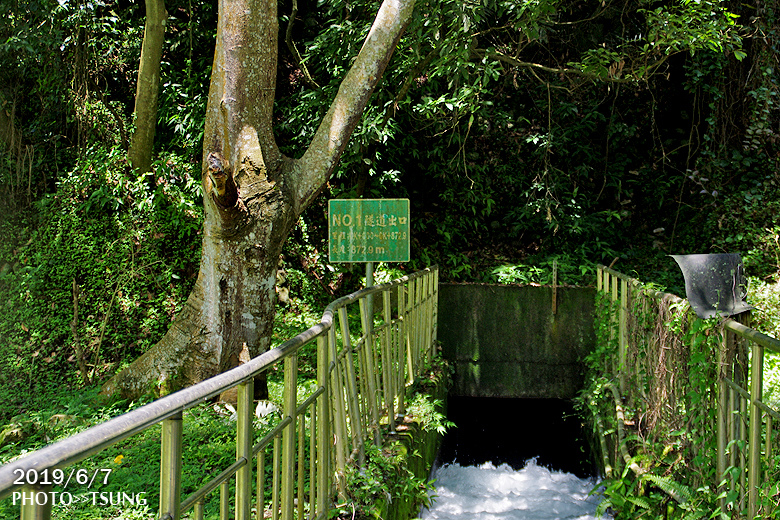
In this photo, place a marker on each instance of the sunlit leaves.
(692, 26)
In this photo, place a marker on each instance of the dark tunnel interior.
(513, 431)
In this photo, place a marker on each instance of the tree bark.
(253, 195)
(147, 89)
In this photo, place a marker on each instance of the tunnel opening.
(513, 431)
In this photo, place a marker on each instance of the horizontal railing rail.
(755, 336)
(360, 387)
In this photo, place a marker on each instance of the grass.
(127, 474)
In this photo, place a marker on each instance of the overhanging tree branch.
(615, 74)
(316, 165)
(526, 64)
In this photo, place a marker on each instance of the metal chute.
(714, 284)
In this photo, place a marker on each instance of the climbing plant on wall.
(655, 414)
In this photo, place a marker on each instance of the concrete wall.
(505, 341)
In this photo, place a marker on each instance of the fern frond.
(602, 508)
(694, 515)
(639, 501)
(680, 492)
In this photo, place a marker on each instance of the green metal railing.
(360, 390)
(742, 416)
(744, 424)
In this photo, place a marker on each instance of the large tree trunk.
(145, 112)
(253, 194)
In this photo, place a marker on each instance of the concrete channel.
(517, 353)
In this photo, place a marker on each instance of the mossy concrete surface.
(506, 341)
(421, 447)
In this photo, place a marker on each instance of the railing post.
(301, 468)
(170, 468)
(402, 349)
(732, 423)
(743, 436)
(290, 395)
(313, 432)
(275, 484)
(418, 317)
(722, 416)
(244, 437)
(356, 421)
(599, 274)
(405, 310)
(370, 283)
(399, 381)
(425, 337)
(433, 294)
(435, 332)
(623, 335)
(388, 361)
(411, 328)
(768, 449)
(260, 486)
(224, 501)
(370, 373)
(34, 508)
(756, 420)
(323, 434)
(614, 332)
(338, 410)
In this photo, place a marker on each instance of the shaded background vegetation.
(524, 133)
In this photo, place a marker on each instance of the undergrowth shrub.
(93, 276)
(385, 477)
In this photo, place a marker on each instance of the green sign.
(368, 230)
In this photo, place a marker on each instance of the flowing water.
(487, 492)
(495, 459)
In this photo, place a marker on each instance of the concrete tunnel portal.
(517, 353)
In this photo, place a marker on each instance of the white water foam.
(487, 492)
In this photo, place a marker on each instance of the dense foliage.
(654, 419)
(530, 131)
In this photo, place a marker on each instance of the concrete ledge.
(421, 447)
